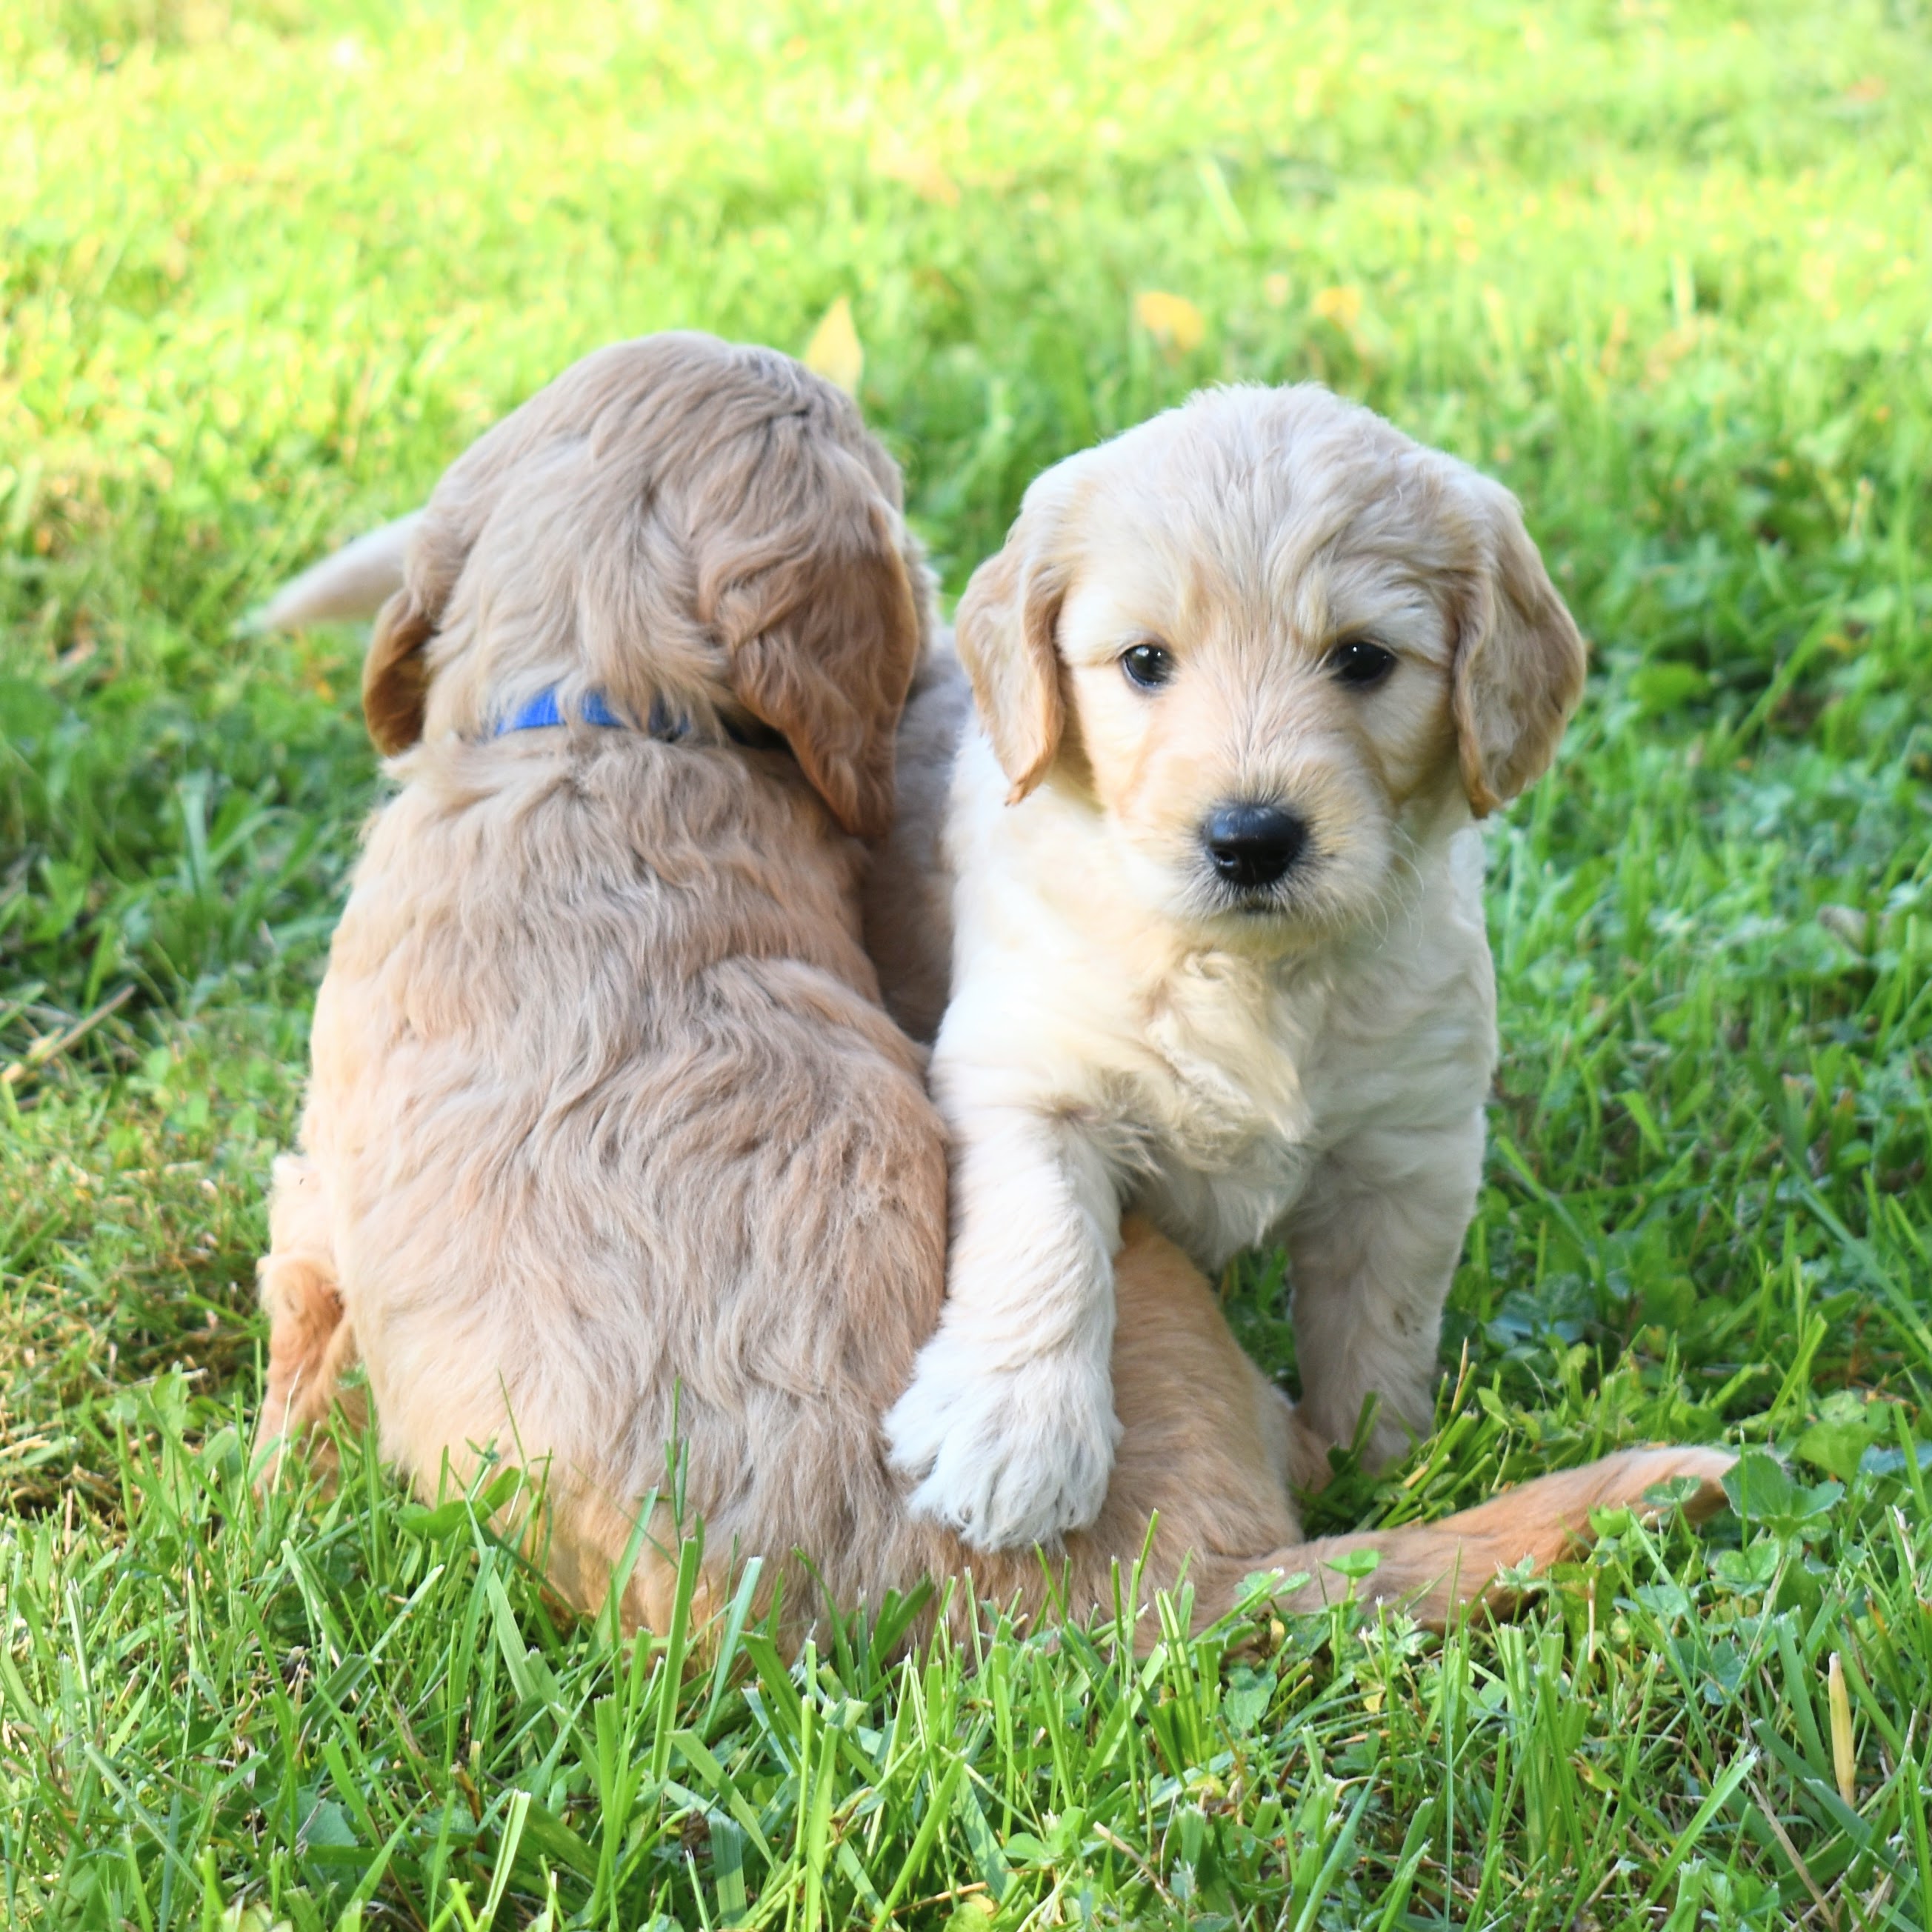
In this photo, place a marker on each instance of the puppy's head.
(676, 521)
(1268, 638)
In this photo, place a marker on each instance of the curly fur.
(609, 1139)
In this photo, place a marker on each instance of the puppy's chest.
(1234, 1107)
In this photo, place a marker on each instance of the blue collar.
(594, 708)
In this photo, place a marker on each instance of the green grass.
(1666, 268)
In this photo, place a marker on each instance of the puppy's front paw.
(1005, 1455)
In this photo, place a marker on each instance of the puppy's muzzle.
(1253, 846)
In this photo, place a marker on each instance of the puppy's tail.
(1433, 1570)
(349, 587)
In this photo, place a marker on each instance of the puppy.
(609, 1142)
(1245, 676)
(603, 1103)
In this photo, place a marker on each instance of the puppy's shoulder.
(908, 894)
(1409, 1027)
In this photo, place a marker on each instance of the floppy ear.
(1520, 663)
(1004, 631)
(831, 671)
(395, 681)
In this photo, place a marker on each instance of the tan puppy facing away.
(609, 1139)
(1246, 675)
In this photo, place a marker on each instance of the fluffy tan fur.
(609, 1138)
(1301, 1059)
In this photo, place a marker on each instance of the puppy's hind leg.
(1203, 1445)
(311, 1341)
(1433, 1570)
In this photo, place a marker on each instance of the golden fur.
(608, 1137)
(1169, 643)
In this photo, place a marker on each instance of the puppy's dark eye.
(1150, 666)
(1361, 663)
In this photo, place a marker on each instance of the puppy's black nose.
(1252, 845)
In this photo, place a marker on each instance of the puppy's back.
(620, 1148)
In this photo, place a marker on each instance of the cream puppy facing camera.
(1246, 677)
